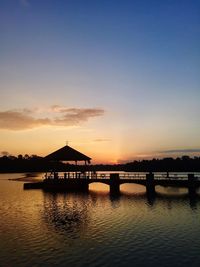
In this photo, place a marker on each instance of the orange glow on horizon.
(44, 141)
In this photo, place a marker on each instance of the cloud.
(56, 108)
(73, 116)
(181, 150)
(60, 116)
(19, 120)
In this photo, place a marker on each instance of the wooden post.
(191, 184)
(150, 185)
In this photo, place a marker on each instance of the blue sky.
(133, 64)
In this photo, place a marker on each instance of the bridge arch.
(131, 188)
(98, 186)
(102, 181)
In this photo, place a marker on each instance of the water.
(44, 229)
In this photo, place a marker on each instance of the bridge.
(80, 181)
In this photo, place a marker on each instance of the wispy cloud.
(57, 116)
(20, 120)
(101, 140)
(180, 151)
(73, 116)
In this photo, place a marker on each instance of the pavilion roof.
(67, 153)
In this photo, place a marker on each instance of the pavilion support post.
(76, 169)
(114, 183)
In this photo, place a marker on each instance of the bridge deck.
(163, 182)
(80, 181)
(125, 176)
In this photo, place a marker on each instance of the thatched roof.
(67, 153)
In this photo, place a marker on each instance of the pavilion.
(68, 153)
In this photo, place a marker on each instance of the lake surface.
(38, 228)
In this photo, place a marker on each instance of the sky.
(117, 80)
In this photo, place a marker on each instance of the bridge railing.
(100, 176)
(197, 176)
(140, 176)
(157, 176)
(125, 175)
(171, 176)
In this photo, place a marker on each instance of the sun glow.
(107, 98)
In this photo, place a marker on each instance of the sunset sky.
(117, 79)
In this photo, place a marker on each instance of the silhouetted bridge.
(80, 182)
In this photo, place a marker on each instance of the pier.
(80, 181)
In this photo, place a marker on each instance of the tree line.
(34, 163)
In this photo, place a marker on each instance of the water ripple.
(43, 229)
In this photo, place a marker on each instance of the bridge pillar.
(191, 184)
(150, 185)
(114, 183)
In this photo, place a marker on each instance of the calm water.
(44, 229)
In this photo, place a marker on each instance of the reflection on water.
(139, 191)
(98, 229)
(23, 177)
(66, 212)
